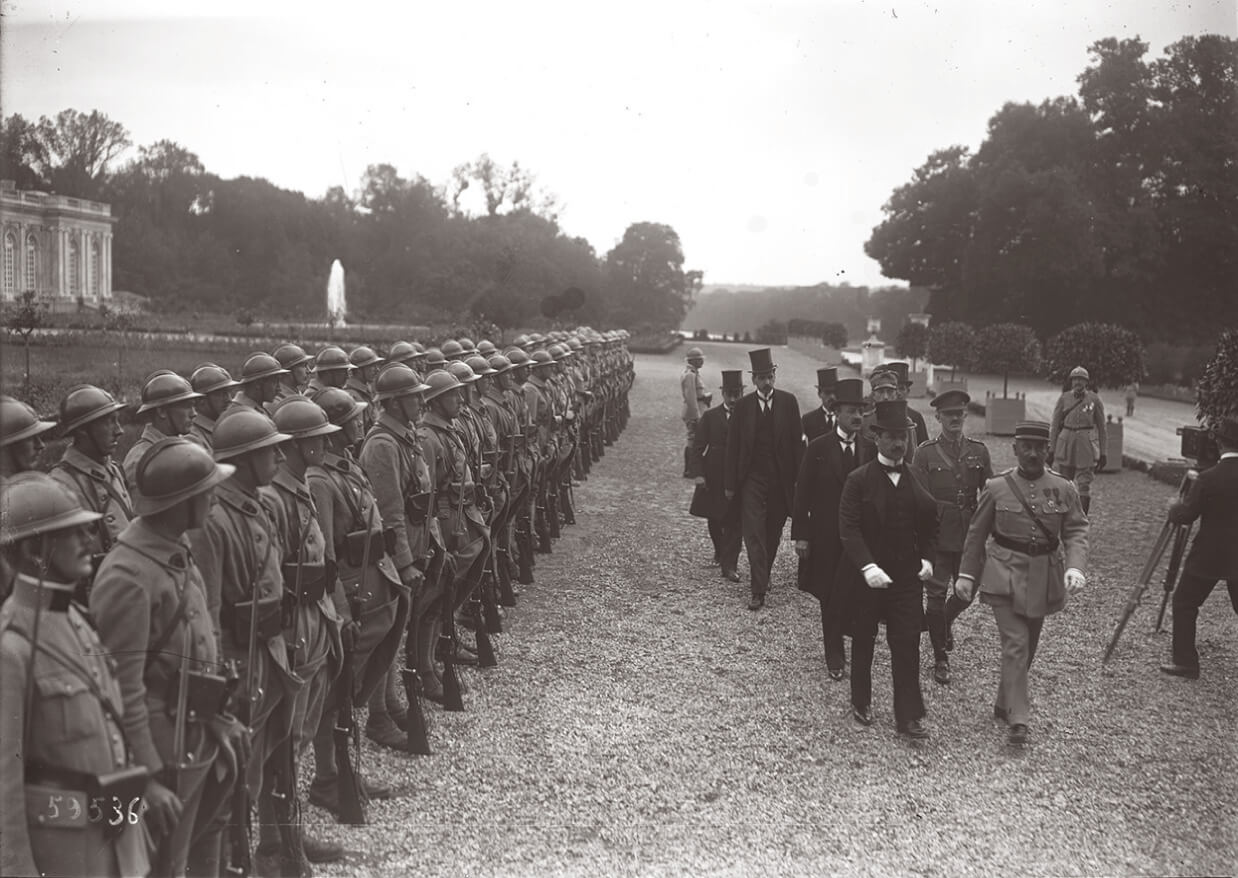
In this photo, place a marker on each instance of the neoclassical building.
(58, 246)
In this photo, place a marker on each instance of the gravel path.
(643, 721)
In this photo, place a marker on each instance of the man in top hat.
(1077, 435)
(1213, 501)
(888, 526)
(952, 468)
(820, 421)
(708, 461)
(827, 462)
(695, 401)
(1036, 557)
(901, 389)
(762, 460)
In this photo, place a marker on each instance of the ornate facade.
(59, 247)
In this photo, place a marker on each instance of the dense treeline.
(1119, 205)
(413, 251)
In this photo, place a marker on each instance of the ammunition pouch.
(206, 694)
(103, 795)
(238, 617)
(355, 546)
(313, 581)
(417, 508)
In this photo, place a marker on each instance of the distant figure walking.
(1132, 392)
(695, 402)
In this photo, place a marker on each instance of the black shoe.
(1018, 735)
(863, 715)
(1177, 670)
(837, 674)
(317, 851)
(914, 730)
(1001, 713)
(941, 672)
(757, 601)
(730, 575)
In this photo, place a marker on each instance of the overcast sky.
(767, 134)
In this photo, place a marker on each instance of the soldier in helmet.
(695, 402)
(504, 473)
(452, 350)
(1077, 437)
(391, 458)
(89, 417)
(21, 436)
(293, 358)
(373, 596)
(167, 408)
(149, 602)
(65, 758)
(310, 586)
(259, 384)
(513, 383)
(365, 366)
(216, 387)
(331, 368)
(402, 352)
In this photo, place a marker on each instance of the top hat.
(732, 379)
(1227, 430)
(827, 379)
(892, 416)
(951, 399)
(762, 361)
(848, 391)
(1035, 430)
(899, 369)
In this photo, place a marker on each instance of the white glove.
(876, 577)
(926, 569)
(1075, 581)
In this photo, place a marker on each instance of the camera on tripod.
(1199, 445)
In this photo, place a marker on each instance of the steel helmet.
(518, 357)
(260, 366)
(401, 352)
(290, 355)
(467, 344)
(33, 503)
(486, 348)
(520, 340)
(175, 469)
(165, 388)
(363, 356)
(535, 338)
(561, 351)
(439, 382)
(479, 365)
(340, 405)
(242, 430)
(1080, 372)
(84, 404)
(397, 380)
(18, 421)
(541, 358)
(210, 377)
(331, 358)
(575, 343)
(463, 372)
(694, 354)
(301, 418)
(452, 349)
(434, 359)
(499, 363)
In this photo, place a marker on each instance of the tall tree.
(648, 285)
(23, 156)
(80, 146)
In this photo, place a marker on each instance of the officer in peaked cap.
(1077, 435)
(953, 468)
(21, 436)
(820, 421)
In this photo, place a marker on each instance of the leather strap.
(1052, 538)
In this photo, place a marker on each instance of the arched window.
(75, 268)
(10, 263)
(94, 268)
(32, 263)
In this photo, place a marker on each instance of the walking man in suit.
(827, 462)
(708, 466)
(1213, 500)
(888, 526)
(901, 389)
(762, 460)
(820, 421)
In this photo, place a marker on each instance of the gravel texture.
(643, 721)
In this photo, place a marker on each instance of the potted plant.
(1003, 348)
(951, 343)
(912, 344)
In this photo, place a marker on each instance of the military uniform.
(695, 401)
(952, 473)
(1077, 438)
(362, 392)
(149, 601)
(99, 487)
(202, 430)
(150, 435)
(1020, 572)
(243, 400)
(47, 826)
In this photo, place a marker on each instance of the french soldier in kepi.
(66, 768)
(1036, 557)
(149, 601)
(1077, 435)
(952, 468)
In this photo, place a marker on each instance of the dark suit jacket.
(861, 520)
(818, 492)
(1213, 499)
(816, 423)
(709, 460)
(787, 444)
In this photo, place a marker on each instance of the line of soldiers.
(178, 629)
(873, 544)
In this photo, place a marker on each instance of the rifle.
(418, 738)
(485, 609)
(292, 860)
(1170, 534)
(351, 794)
(447, 643)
